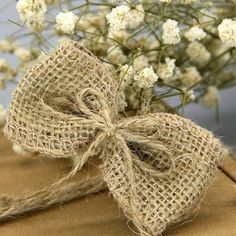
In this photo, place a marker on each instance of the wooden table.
(98, 214)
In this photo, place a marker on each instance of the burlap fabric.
(157, 166)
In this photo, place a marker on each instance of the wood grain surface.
(98, 214)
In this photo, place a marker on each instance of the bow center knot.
(102, 115)
(111, 130)
(116, 129)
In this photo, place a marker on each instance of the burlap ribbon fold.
(156, 166)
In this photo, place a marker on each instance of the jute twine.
(157, 166)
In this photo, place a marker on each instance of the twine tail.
(59, 192)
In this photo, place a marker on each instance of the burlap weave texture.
(157, 166)
(40, 114)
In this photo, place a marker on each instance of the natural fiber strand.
(60, 192)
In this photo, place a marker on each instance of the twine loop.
(120, 133)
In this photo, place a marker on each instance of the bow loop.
(93, 105)
(54, 126)
(98, 110)
(165, 160)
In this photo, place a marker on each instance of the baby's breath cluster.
(32, 13)
(153, 49)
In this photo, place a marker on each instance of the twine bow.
(156, 166)
(120, 133)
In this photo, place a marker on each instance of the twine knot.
(119, 130)
(111, 130)
(102, 117)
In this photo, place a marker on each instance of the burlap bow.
(156, 166)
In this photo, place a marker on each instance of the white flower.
(65, 22)
(171, 32)
(166, 70)
(195, 33)
(8, 45)
(219, 49)
(119, 17)
(2, 115)
(136, 16)
(146, 77)
(23, 55)
(97, 21)
(227, 32)
(116, 55)
(187, 96)
(175, 76)
(140, 62)
(90, 23)
(151, 44)
(197, 53)
(82, 24)
(190, 77)
(7, 73)
(211, 98)
(3, 65)
(116, 35)
(20, 150)
(32, 12)
(126, 75)
(133, 96)
(97, 44)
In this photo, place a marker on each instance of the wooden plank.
(98, 214)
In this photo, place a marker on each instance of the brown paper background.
(98, 214)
